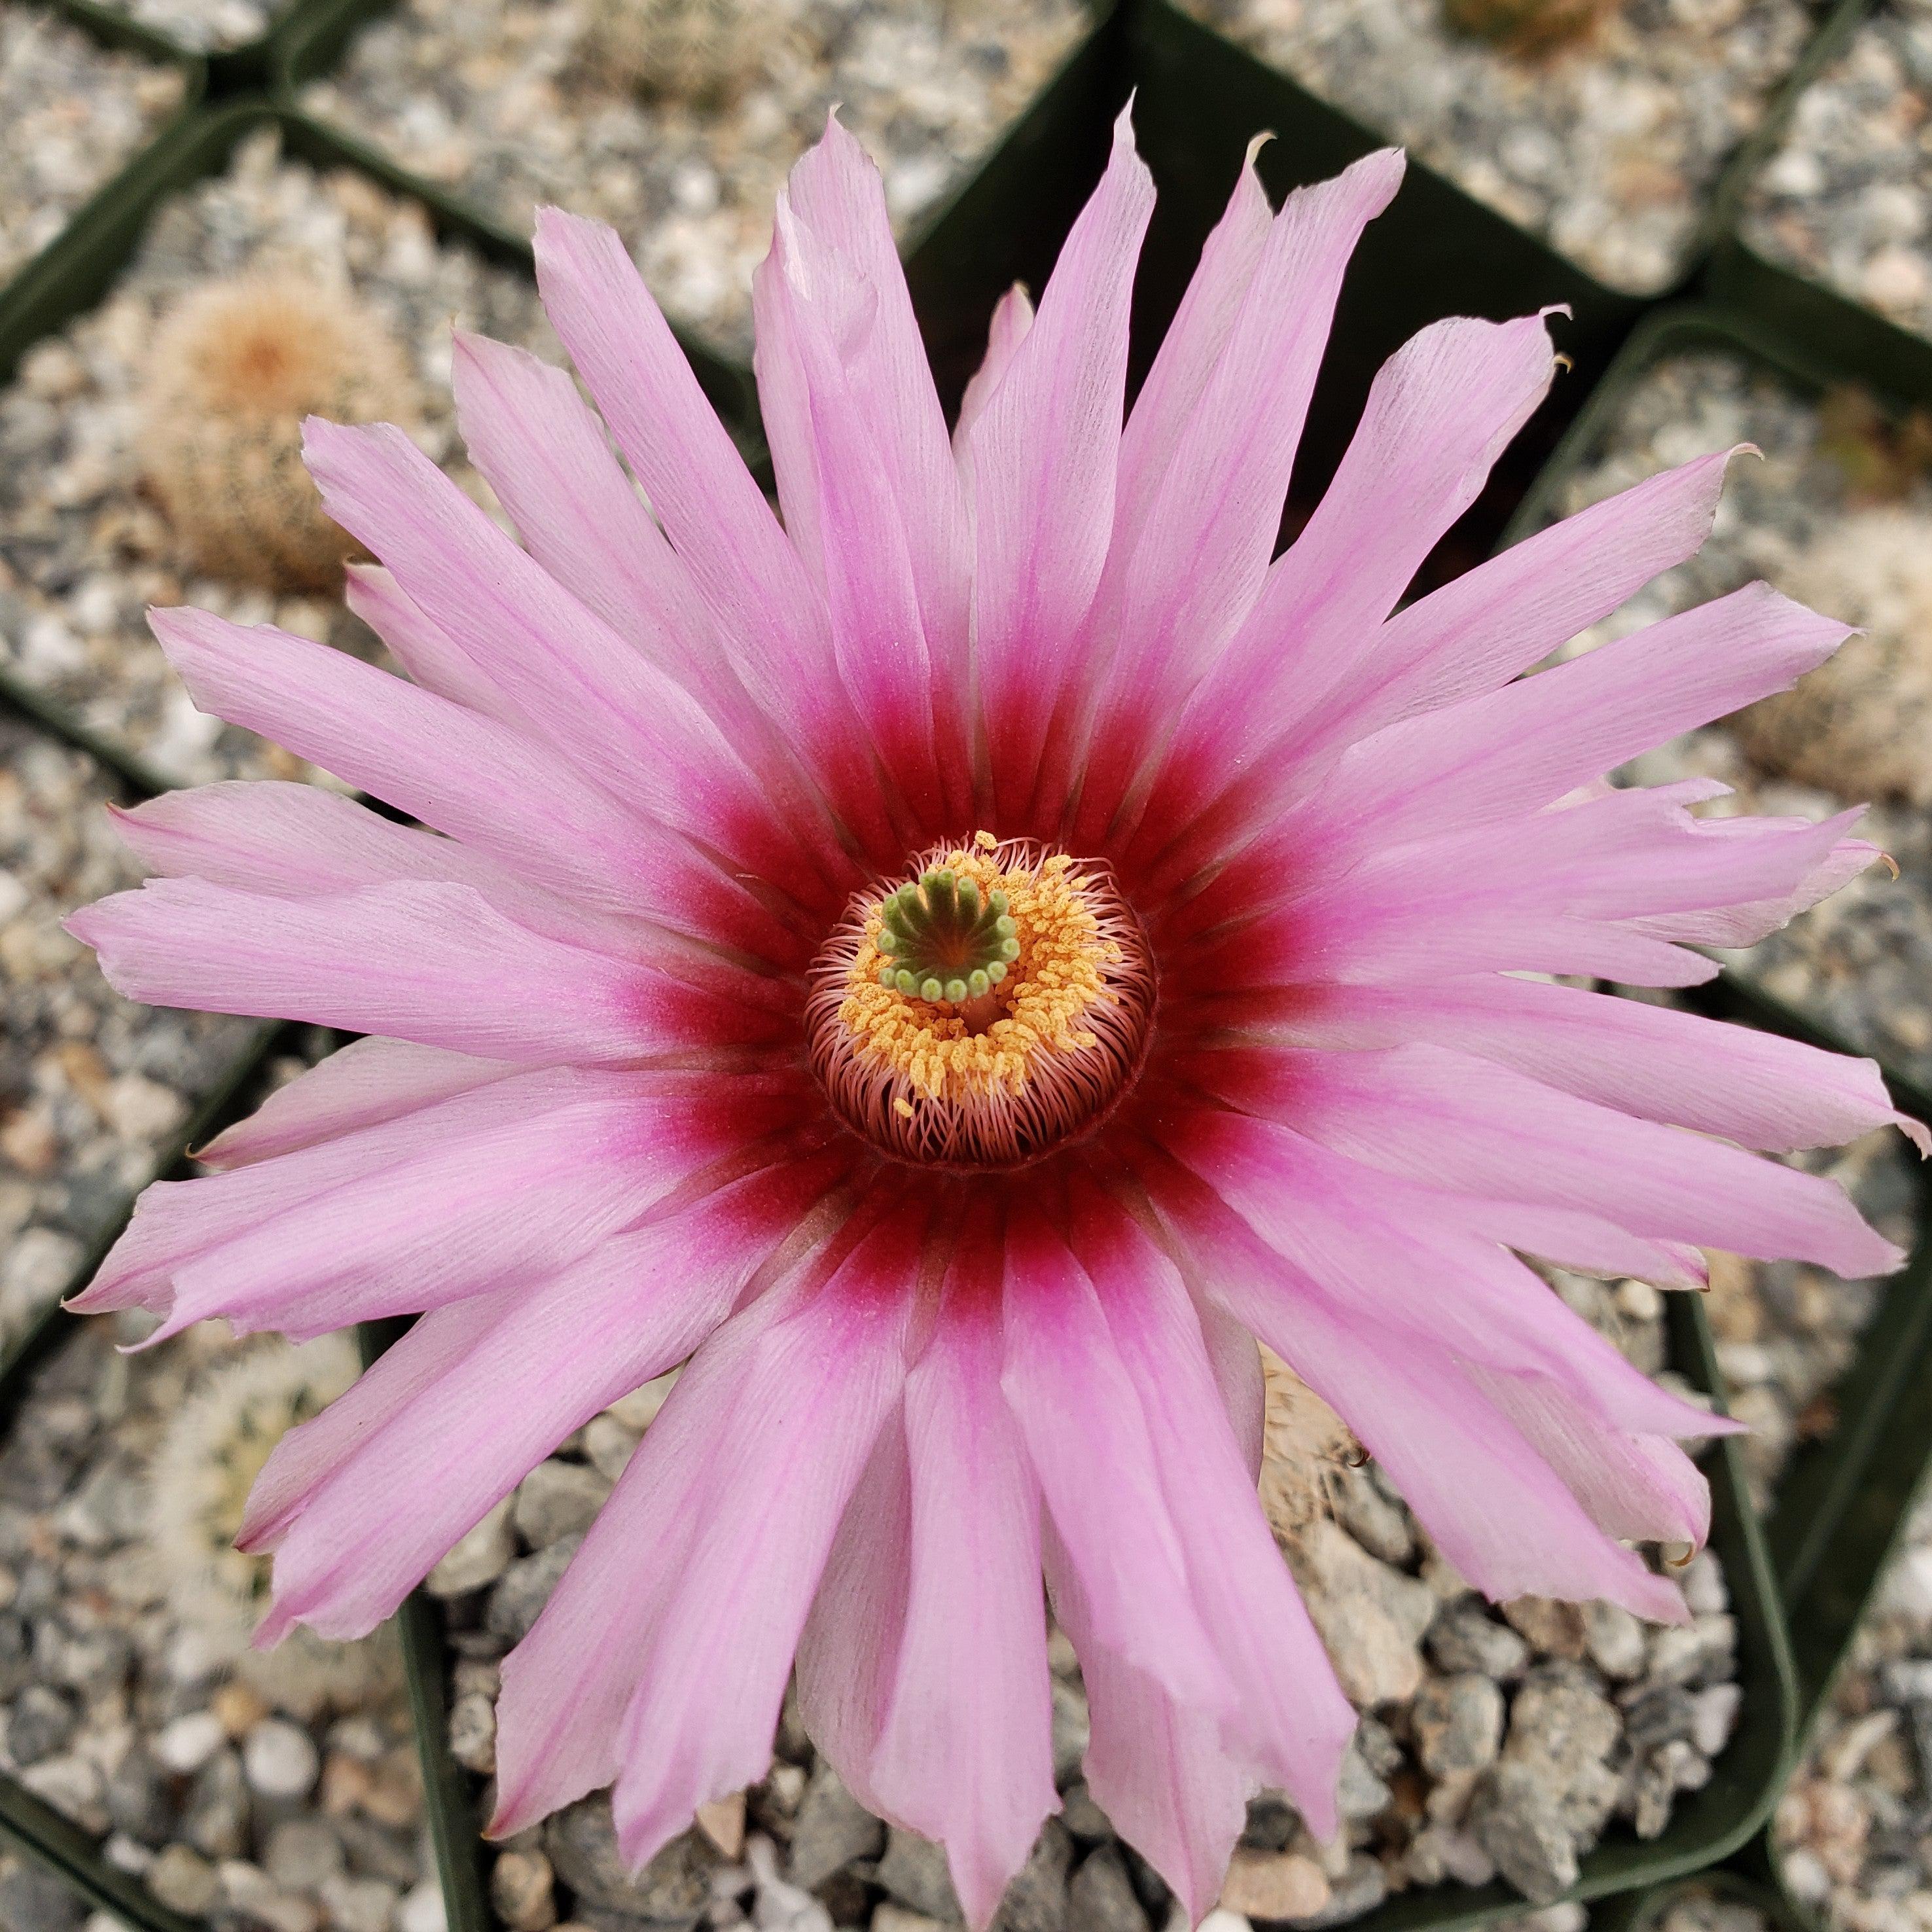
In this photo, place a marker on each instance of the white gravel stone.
(189, 1742)
(280, 1759)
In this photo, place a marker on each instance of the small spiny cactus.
(704, 53)
(1304, 1443)
(1528, 29)
(235, 367)
(1861, 724)
(1881, 460)
(213, 1448)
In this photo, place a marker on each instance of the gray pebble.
(1518, 1819)
(280, 1760)
(518, 1598)
(832, 1829)
(522, 1888)
(581, 1843)
(183, 1880)
(472, 1732)
(1071, 1730)
(139, 1800)
(1465, 1637)
(1036, 1900)
(39, 1722)
(1459, 1724)
(913, 1871)
(1101, 1898)
(302, 1853)
(556, 1500)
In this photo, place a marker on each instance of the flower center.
(987, 1010)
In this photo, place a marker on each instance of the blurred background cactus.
(705, 52)
(1861, 724)
(1528, 28)
(214, 1446)
(1303, 1444)
(236, 368)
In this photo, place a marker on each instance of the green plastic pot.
(1891, 360)
(248, 66)
(1643, 1912)
(109, 30)
(1001, 222)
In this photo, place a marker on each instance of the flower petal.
(1156, 1765)
(1290, 1712)
(714, 1665)
(758, 1446)
(605, 706)
(1083, 1424)
(1044, 453)
(493, 787)
(459, 1217)
(1012, 317)
(352, 1537)
(839, 200)
(849, 1648)
(1743, 1084)
(1461, 1124)
(431, 656)
(1498, 1511)
(1511, 612)
(1188, 562)
(964, 1754)
(1526, 745)
(748, 575)
(543, 450)
(426, 961)
(362, 1084)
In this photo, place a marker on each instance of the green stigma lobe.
(943, 940)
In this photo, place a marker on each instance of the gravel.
(1852, 1825)
(203, 26)
(1608, 149)
(94, 1091)
(71, 112)
(84, 551)
(1491, 1740)
(279, 1799)
(1844, 199)
(503, 101)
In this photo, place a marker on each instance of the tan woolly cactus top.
(702, 52)
(1303, 1442)
(215, 1446)
(1530, 28)
(236, 368)
(1861, 724)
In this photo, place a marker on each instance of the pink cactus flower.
(954, 964)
